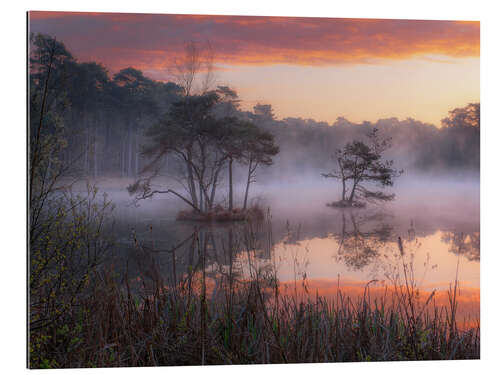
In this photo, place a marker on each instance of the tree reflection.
(362, 237)
(466, 244)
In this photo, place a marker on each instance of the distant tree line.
(106, 118)
(416, 146)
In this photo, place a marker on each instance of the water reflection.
(359, 246)
(321, 244)
(362, 237)
(466, 244)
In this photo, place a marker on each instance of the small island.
(360, 163)
(206, 139)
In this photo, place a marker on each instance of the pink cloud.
(152, 41)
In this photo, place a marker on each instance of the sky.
(319, 68)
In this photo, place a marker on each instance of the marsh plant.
(230, 308)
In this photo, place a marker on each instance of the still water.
(432, 227)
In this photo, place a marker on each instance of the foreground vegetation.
(225, 318)
(175, 327)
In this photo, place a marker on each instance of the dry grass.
(182, 327)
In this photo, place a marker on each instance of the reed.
(249, 320)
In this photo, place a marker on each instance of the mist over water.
(431, 202)
(436, 218)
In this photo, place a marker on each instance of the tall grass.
(200, 320)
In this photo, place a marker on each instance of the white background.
(13, 167)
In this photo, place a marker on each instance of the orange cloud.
(152, 41)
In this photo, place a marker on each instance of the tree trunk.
(214, 186)
(248, 185)
(343, 178)
(129, 164)
(192, 188)
(123, 158)
(136, 162)
(230, 183)
(49, 166)
(95, 148)
(86, 158)
(201, 178)
(136, 153)
(106, 134)
(351, 196)
(201, 196)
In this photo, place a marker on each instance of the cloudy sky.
(320, 68)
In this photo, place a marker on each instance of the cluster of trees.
(206, 139)
(360, 164)
(206, 135)
(418, 147)
(102, 118)
(128, 125)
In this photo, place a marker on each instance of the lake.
(431, 231)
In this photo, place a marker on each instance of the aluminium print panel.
(251, 190)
